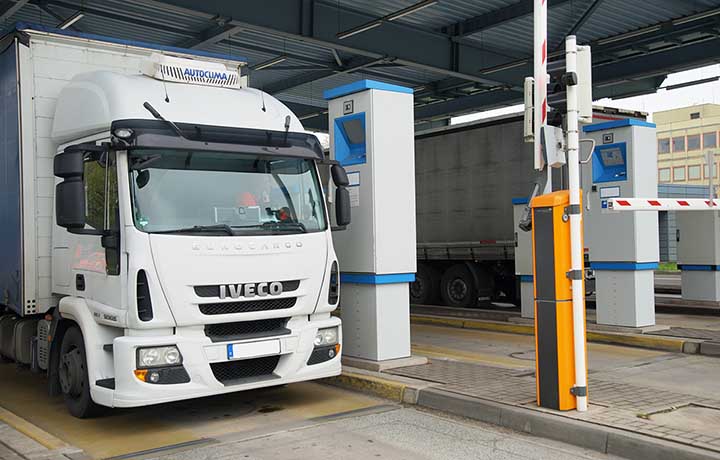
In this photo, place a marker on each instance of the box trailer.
(165, 234)
(466, 177)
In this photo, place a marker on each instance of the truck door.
(96, 259)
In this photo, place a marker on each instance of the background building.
(687, 144)
(667, 222)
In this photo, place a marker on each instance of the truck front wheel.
(73, 376)
(458, 287)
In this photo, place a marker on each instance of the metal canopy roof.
(458, 55)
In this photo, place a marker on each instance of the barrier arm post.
(576, 228)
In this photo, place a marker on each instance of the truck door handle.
(80, 282)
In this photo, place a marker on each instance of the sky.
(662, 100)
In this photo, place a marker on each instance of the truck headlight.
(158, 357)
(326, 337)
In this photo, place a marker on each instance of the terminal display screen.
(612, 157)
(355, 130)
(609, 163)
(350, 142)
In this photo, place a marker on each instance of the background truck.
(466, 177)
(164, 232)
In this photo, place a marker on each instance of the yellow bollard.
(554, 355)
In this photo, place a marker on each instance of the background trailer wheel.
(426, 287)
(73, 376)
(457, 287)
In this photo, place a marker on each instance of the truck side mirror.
(70, 203)
(69, 163)
(342, 207)
(339, 176)
(342, 196)
(70, 193)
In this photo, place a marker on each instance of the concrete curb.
(370, 384)
(542, 424)
(486, 325)
(591, 436)
(672, 344)
(710, 349)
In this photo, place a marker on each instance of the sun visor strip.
(156, 134)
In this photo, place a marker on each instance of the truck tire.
(73, 376)
(424, 290)
(457, 287)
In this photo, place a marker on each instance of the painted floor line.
(31, 431)
(482, 358)
(355, 412)
(165, 449)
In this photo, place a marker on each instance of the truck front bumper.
(212, 371)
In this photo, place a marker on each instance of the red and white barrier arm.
(663, 204)
(541, 80)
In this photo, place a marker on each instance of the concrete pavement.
(23, 397)
(643, 403)
(307, 420)
(397, 434)
(388, 431)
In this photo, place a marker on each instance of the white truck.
(165, 233)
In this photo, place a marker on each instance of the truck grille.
(246, 307)
(214, 290)
(234, 372)
(225, 332)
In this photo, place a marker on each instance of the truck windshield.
(216, 193)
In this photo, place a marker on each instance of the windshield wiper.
(286, 226)
(139, 163)
(202, 228)
(276, 226)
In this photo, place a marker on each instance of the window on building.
(678, 144)
(664, 145)
(693, 142)
(695, 115)
(705, 171)
(709, 140)
(664, 175)
(693, 172)
(679, 174)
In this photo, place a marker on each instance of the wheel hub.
(416, 287)
(458, 289)
(71, 373)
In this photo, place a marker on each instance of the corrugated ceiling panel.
(434, 17)
(152, 21)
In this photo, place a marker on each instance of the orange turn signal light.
(141, 374)
(337, 349)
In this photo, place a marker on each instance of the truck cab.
(191, 250)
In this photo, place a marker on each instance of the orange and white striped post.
(541, 81)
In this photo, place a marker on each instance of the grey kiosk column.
(372, 136)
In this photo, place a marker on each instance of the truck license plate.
(253, 349)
